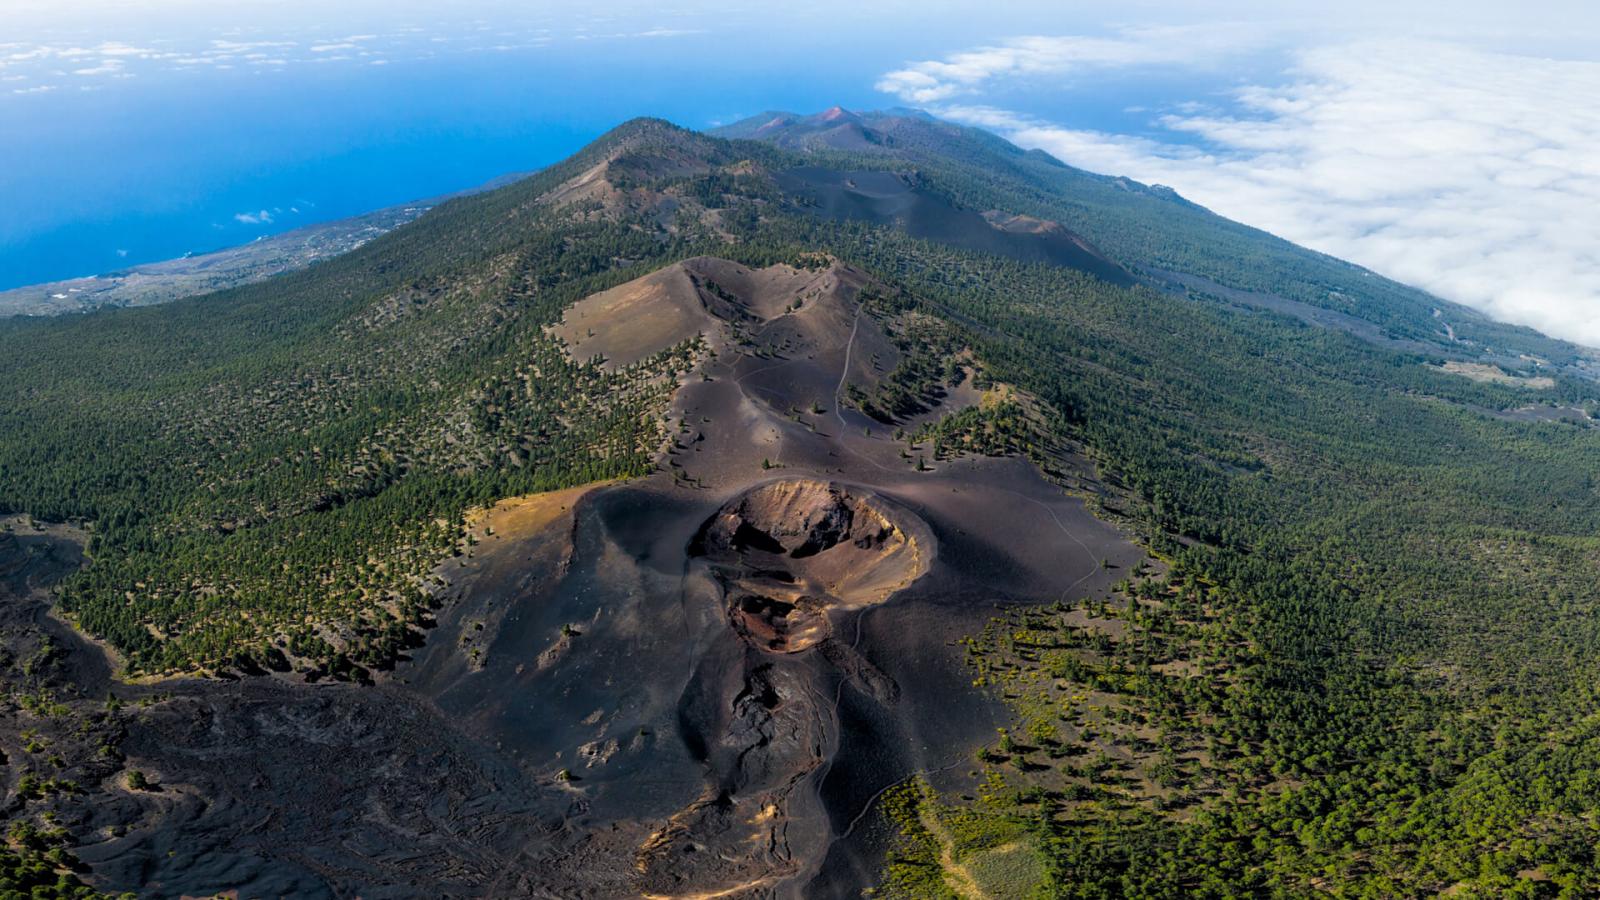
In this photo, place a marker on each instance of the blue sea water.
(141, 171)
(145, 168)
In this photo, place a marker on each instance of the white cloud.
(117, 48)
(968, 72)
(106, 67)
(238, 46)
(1471, 173)
(264, 217)
(264, 42)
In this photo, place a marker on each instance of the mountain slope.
(704, 506)
(1149, 229)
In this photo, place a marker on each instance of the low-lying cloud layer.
(1038, 56)
(1471, 173)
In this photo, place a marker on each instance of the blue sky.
(1450, 145)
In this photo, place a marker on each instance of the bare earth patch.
(1495, 375)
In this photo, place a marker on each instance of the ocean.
(119, 151)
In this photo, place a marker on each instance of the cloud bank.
(968, 72)
(1471, 173)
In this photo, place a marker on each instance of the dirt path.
(844, 373)
(956, 875)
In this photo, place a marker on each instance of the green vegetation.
(272, 473)
(30, 873)
(1368, 668)
(981, 850)
(1410, 572)
(1153, 229)
(928, 366)
(915, 868)
(1405, 576)
(35, 863)
(54, 745)
(997, 428)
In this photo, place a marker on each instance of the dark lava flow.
(692, 684)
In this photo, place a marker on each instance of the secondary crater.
(789, 553)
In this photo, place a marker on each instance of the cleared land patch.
(1491, 374)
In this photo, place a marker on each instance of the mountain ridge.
(902, 132)
(701, 515)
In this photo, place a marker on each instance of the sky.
(1453, 146)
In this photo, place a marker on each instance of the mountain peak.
(643, 128)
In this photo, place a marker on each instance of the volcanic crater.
(686, 685)
(788, 553)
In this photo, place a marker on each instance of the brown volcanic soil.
(692, 684)
(634, 320)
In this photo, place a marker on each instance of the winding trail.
(844, 373)
(958, 759)
(838, 412)
(828, 708)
